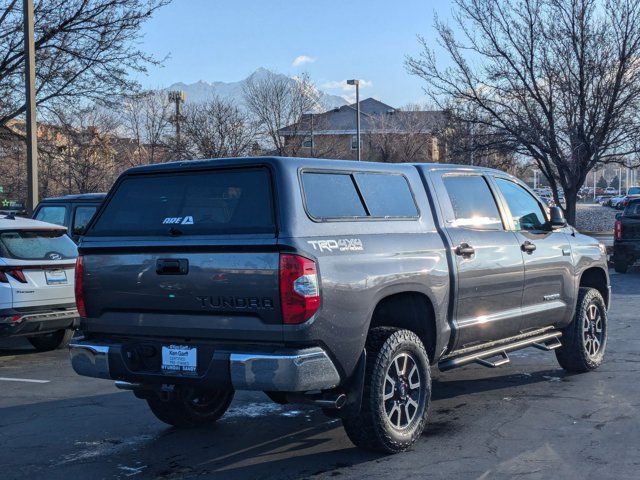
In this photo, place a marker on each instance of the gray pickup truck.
(333, 283)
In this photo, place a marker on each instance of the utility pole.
(30, 90)
(178, 97)
(357, 84)
(312, 135)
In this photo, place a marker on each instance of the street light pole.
(30, 90)
(178, 97)
(357, 84)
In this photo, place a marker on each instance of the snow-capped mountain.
(232, 91)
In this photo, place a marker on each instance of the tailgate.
(630, 227)
(223, 295)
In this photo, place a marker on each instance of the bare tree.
(146, 119)
(558, 80)
(84, 49)
(91, 156)
(216, 128)
(277, 101)
(406, 135)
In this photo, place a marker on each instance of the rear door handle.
(465, 250)
(172, 266)
(528, 247)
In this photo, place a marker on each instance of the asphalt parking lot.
(526, 420)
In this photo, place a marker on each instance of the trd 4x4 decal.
(341, 245)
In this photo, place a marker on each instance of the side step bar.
(547, 341)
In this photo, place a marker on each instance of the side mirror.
(79, 231)
(557, 218)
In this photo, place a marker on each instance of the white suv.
(37, 261)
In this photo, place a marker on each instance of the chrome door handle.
(465, 250)
(528, 247)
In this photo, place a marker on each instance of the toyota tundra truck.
(333, 283)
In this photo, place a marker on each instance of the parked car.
(71, 211)
(610, 191)
(616, 201)
(626, 240)
(37, 263)
(327, 282)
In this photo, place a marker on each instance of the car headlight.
(603, 248)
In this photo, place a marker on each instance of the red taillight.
(79, 287)
(299, 289)
(617, 230)
(16, 273)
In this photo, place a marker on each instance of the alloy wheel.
(593, 330)
(402, 385)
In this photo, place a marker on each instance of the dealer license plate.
(55, 277)
(179, 359)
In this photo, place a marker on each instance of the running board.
(547, 341)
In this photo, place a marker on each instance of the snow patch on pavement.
(102, 448)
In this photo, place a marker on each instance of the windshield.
(195, 203)
(37, 245)
(634, 191)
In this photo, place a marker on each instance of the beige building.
(387, 134)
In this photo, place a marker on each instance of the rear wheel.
(51, 341)
(397, 392)
(585, 339)
(191, 408)
(620, 265)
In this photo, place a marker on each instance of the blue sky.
(333, 40)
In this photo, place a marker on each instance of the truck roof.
(8, 222)
(76, 197)
(295, 162)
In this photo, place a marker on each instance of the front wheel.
(397, 392)
(51, 341)
(584, 340)
(190, 408)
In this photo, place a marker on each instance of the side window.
(332, 195)
(83, 215)
(56, 214)
(525, 209)
(386, 195)
(473, 203)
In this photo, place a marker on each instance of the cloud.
(342, 85)
(301, 60)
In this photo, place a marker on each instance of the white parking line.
(26, 380)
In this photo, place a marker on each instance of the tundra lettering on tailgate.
(235, 303)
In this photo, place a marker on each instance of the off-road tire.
(51, 341)
(620, 265)
(372, 429)
(181, 412)
(573, 355)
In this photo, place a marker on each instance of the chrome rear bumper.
(289, 370)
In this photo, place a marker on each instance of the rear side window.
(56, 214)
(37, 245)
(332, 195)
(358, 195)
(82, 217)
(386, 195)
(217, 202)
(473, 203)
